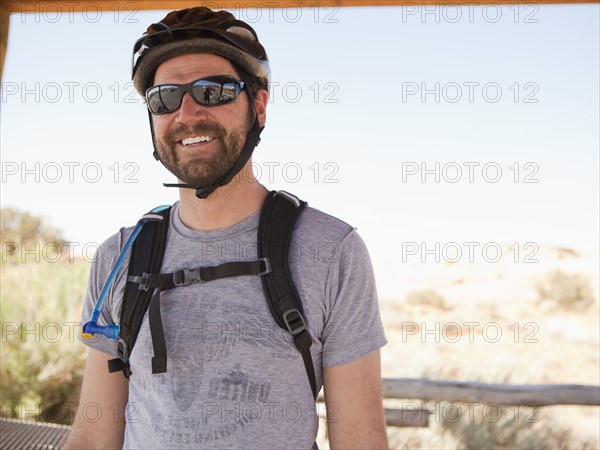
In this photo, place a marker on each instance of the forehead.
(191, 66)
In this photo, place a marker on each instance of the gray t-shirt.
(234, 378)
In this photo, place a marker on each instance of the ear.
(260, 104)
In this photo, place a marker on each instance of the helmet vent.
(242, 32)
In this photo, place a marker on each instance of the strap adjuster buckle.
(266, 263)
(141, 281)
(185, 277)
(294, 324)
(122, 350)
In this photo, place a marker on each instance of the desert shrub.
(567, 291)
(427, 298)
(42, 361)
(20, 230)
(499, 427)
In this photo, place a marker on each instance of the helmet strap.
(155, 153)
(252, 140)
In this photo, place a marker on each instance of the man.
(234, 378)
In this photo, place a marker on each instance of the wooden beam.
(504, 394)
(417, 418)
(48, 6)
(4, 24)
(414, 418)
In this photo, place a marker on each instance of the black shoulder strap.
(146, 257)
(277, 220)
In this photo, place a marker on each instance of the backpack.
(145, 282)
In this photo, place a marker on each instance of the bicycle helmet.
(201, 30)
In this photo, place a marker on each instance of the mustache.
(183, 131)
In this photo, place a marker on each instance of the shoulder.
(317, 224)
(109, 250)
(327, 239)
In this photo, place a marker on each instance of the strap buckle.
(294, 324)
(266, 263)
(122, 350)
(142, 281)
(185, 277)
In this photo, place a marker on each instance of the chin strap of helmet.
(252, 141)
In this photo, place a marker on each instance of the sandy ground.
(487, 322)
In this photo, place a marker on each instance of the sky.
(417, 125)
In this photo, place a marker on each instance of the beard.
(202, 171)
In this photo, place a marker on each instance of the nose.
(190, 112)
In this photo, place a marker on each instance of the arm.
(101, 393)
(355, 418)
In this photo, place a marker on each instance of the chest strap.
(185, 277)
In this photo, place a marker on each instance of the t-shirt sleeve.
(102, 265)
(353, 328)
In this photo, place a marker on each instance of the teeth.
(196, 139)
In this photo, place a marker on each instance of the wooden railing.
(424, 389)
(19, 434)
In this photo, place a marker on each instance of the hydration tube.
(111, 330)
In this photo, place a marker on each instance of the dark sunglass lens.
(206, 92)
(215, 91)
(154, 103)
(229, 93)
(163, 99)
(171, 97)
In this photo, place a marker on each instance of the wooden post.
(4, 23)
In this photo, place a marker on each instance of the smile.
(196, 140)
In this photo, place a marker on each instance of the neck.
(226, 206)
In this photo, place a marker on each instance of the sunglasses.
(208, 91)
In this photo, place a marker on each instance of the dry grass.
(42, 361)
(566, 291)
(493, 327)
